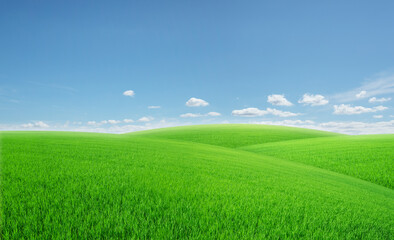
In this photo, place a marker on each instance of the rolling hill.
(368, 157)
(233, 135)
(198, 182)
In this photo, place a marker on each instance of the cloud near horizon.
(145, 119)
(351, 127)
(347, 109)
(255, 112)
(38, 124)
(114, 121)
(128, 120)
(194, 115)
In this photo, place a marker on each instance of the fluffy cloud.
(280, 113)
(313, 100)
(114, 121)
(377, 116)
(191, 115)
(39, 124)
(194, 115)
(358, 127)
(92, 123)
(279, 100)
(287, 122)
(196, 102)
(129, 93)
(128, 120)
(153, 107)
(213, 114)
(339, 127)
(374, 99)
(255, 112)
(145, 119)
(361, 94)
(347, 109)
(249, 112)
(28, 125)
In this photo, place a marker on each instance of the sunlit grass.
(93, 186)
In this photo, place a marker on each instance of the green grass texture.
(233, 135)
(62, 185)
(368, 157)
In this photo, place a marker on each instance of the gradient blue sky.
(64, 65)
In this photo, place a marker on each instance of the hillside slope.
(233, 135)
(80, 185)
(368, 157)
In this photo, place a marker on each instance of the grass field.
(368, 157)
(199, 182)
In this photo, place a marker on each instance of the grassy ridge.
(369, 157)
(233, 135)
(100, 185)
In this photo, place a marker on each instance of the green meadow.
(197, 182)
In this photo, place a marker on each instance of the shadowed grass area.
(86, 185)
(368, 157)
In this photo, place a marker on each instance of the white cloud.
(374, 99)
(145, 119)
(110, 128)
(377, 116)
(361, 94)
(92, 123)
(313, 100)
(279, 100)
(128, 120)
(191, 115)
(195, 102)
(280, 113)
(378, 85)
(286, 122)
(153, 107)
(347, 109)
(41, 124)
(249, 112)
(114, 121)
(38, 124)
(194, 115)
(352, 127)
(214, 114)
(358, 127)
(255, 112)
(129, 93)
(28, 125)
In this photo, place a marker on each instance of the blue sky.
(65, 65)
